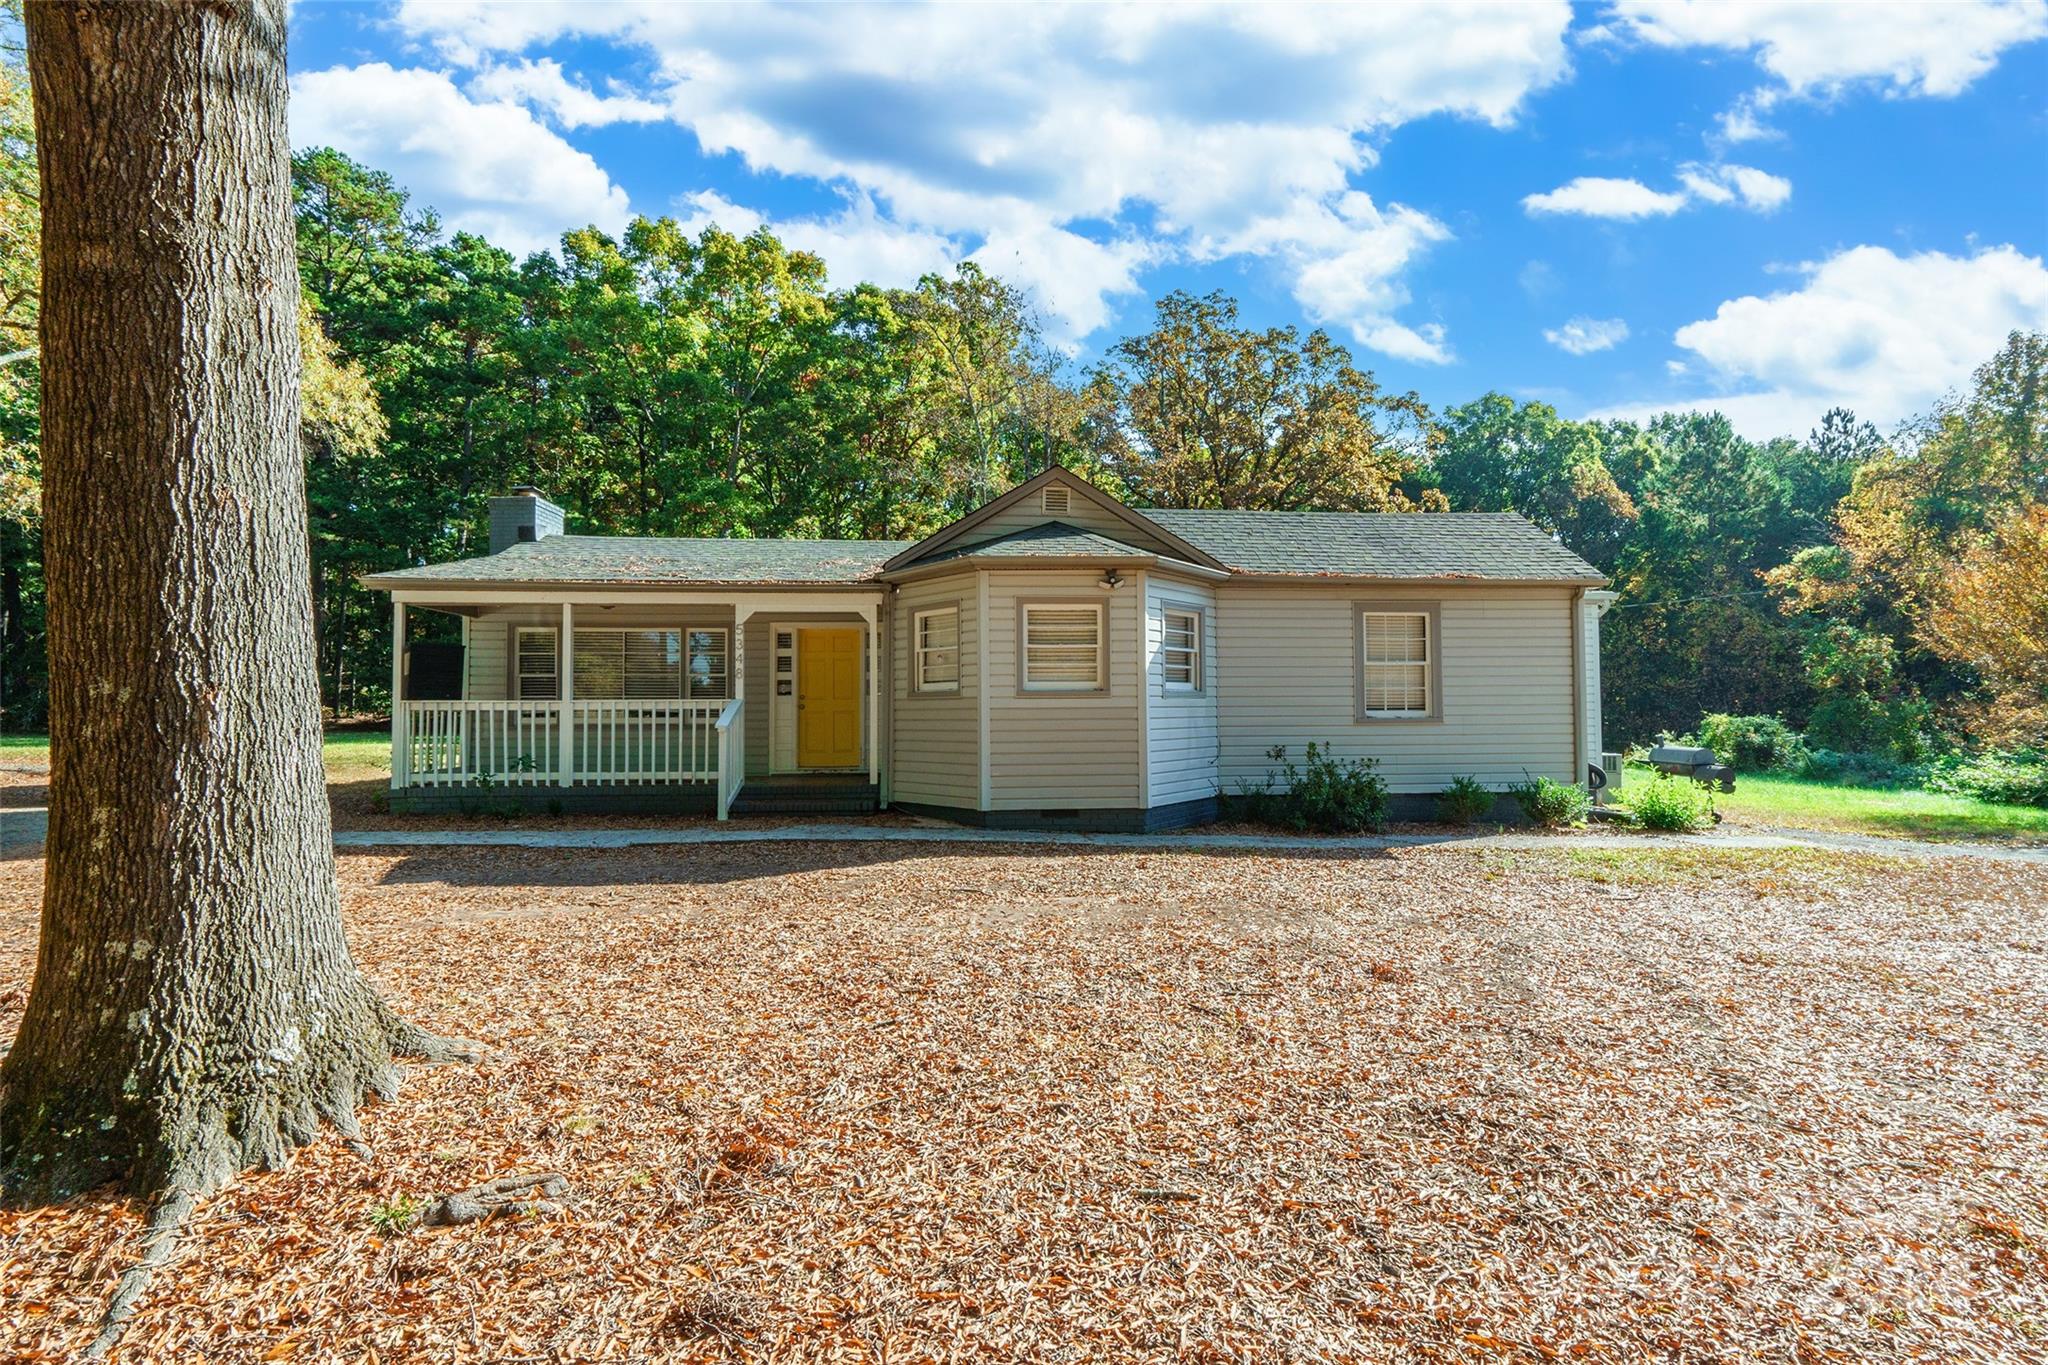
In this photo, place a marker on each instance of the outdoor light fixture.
(1111, 580)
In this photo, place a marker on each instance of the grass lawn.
(350, 754)
(891, 1101)
(1795, 803)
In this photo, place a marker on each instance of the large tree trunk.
(195, 1009)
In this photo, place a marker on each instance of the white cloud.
(1759, 191)
(1593, 196)
(1882, 334)
(1819, 49)
(1078, 144)
(1584, 336)
(490, 168)
(541, 83)
(1596, 196)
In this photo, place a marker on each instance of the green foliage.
(1861, 769)
(1202, 412)
(1498, 457)
(2019, 778)
(1677, 804)
(1552, 803)
(396, 1216)
(1467, 799)
(1325, 793)
(1761, 744)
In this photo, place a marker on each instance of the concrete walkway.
(22, 829)
(1194, 840)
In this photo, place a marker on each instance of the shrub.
(1553, 803)
(1860, 770)
(2018, 779)
(1325, 793)
(1755, 744)
(1465, 800)
(1671, 803)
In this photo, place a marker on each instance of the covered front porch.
(637, 700)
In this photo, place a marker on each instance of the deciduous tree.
(195, 1009)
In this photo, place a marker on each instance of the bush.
(1552, 803)
(2016, 779)
(1325, 793)
(1860, 770)
(1671, 803)
(1464, 801)
(1755, 744)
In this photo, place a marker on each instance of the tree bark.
(195, 1009)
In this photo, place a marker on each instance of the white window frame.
(1431, 662)
(1191, 652)
(724, 690)
(1100, 682)
(519, 657)
(921, 652)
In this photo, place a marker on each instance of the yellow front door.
(828, 698)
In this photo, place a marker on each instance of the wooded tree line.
(1869, 587)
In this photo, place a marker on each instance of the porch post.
(401, 731)
(874, 735)
(565, 771)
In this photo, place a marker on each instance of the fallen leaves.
(910, 1102)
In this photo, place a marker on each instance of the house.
(1054, 660)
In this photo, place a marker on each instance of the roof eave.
(1450, 580)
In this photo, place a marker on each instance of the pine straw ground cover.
(899, 1102)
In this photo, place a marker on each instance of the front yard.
(889, 1101)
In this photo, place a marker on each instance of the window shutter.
(1062, 648)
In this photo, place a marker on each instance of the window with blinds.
(629, 665)
(1397, 663)
(709, 664)
(1062, 648)
(539, 666)
(1180, 650)
(938, 650)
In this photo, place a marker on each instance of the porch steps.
(808, 794)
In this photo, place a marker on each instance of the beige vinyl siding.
(488, 661)
(1287, 673)
(935, 758)
(1063, 750)
(1080, 512)
(1589, 686)
(1181, 726)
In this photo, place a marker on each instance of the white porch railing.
(732, 754)
(519, 743)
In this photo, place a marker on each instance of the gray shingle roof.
(1475, 546)
(1487, 546)
(648, 559)
(1053, 540)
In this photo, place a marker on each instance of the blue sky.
(1766, 208)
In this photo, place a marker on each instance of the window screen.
(1181, 650)
(1397, 663)
(629, 665)
(1062, 648)
(539, 665)
(708, 659)
(938, 650)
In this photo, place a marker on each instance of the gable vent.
(1055, 499)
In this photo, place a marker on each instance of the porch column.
(565, 770)
(401, 731)
(874, 735)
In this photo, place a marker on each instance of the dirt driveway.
(892, 1101)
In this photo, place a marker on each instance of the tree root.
(263, 1145)
(159, 1240)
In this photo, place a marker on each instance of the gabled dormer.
(1055, 497)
